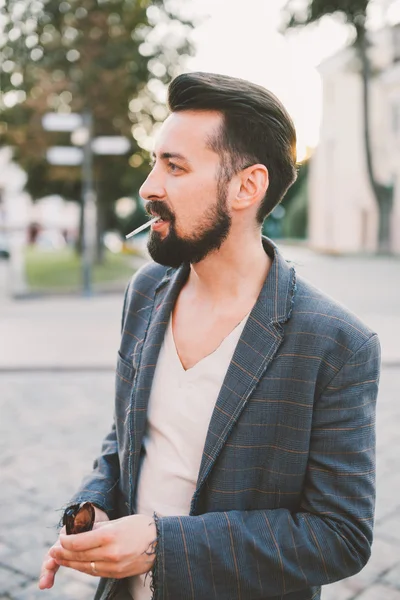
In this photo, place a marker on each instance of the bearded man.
(240, 464)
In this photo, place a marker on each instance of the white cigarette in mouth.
(139, 229)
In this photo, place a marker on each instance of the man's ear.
(253, 184)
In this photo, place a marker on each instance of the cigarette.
(139, 229)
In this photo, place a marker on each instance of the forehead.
(187, 132)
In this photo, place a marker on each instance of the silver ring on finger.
(93, 567)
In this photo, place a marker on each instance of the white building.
(343, 216)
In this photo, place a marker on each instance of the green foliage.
(353, 11)
(295, 203)
(293, 191)
(292, 221)
(295, 222)
(112, 57)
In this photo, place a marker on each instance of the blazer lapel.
(260, 339)
(146, 356)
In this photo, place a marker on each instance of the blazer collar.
(276, 295)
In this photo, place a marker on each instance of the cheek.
(191, 199)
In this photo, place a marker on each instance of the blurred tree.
(110, 57)
(295, 221)
(355, 14)
(295, 224)
(290, 218)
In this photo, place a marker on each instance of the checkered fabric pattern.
(285, 495)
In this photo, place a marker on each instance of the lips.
(161, 217)
(159, 225)
(158, 209)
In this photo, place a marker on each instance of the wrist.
(151, 545)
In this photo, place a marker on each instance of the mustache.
(160, 209)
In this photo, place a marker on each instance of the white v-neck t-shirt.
(180, 407)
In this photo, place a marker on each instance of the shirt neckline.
(213, 354)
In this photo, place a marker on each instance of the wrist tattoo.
(151, 549)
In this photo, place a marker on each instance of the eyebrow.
(167, 155)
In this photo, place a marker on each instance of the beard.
(173, 251)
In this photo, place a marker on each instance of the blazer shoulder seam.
(353, 353)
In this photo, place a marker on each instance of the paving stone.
(10, 581)
(336, 591)
(392, 577)
(6, 551)
(28, 562)
(69, 585)
(389, 527)
(379, 592)
(32, 592)
(387, 498)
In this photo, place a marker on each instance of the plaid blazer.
(285, 495)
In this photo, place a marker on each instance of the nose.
(152, 188)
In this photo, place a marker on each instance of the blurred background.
(82, 94)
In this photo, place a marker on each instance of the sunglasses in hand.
(79, 518)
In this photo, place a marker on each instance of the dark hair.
(256, 128)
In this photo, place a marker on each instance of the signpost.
(61, 121)
(65, 155)
(105, 144)
(81, 128)
(89, 206)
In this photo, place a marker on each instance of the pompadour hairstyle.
(256, 128)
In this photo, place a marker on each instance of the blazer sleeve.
(262, 553)
(101, 485)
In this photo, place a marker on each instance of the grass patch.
(61, 270)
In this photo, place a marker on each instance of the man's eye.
(174, 168)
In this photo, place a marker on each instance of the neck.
(236, 271)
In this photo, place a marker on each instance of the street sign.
(81, 154)
(61, 121)
(111, 144)
(65, 155)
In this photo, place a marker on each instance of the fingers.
(102, 569)
(85, 567)
(61, 554)
(81, 542)
(49, 568)
(48, 573)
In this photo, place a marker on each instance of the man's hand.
(116, 549)
(49, 566)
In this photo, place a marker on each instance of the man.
(240, 464)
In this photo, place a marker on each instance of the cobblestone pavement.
(51, 428)
(56, 395)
